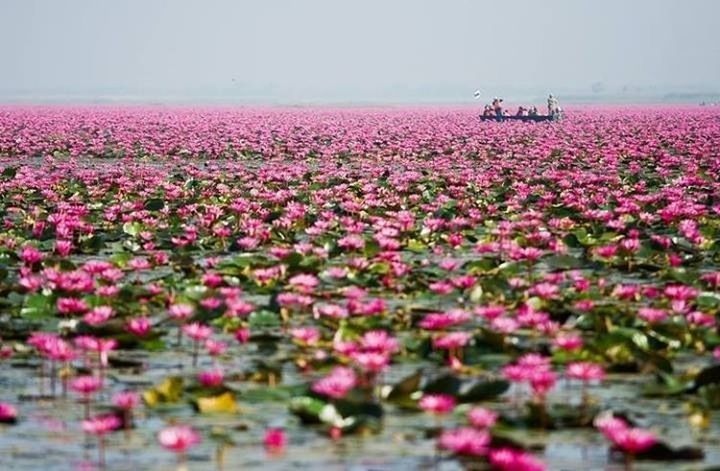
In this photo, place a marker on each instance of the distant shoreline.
(691, 98)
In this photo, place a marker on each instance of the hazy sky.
(354, 49)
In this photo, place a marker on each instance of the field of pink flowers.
(359, 288)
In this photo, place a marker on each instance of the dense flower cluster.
(339, 247)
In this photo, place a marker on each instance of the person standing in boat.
(553, 105)
(497, 106)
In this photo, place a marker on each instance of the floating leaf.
(263, 318)
(403, 389)
(446, 384)
(664, 452)
(37, 306)
(307, 408)
(709, 375)
(484, 390)
(414, 245)
(9, 172)
(168, 391)
(132, 228)
(223, 403)
(563, 262)
(154, 204)
(708, 300)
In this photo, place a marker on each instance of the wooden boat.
(535, 119)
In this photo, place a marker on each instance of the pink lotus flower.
(651, 315)
(490, 312)
(628, 439)
(351, 242)
(101, 425)
(437, 403)
(337, 273)
(126, 400)
(63, 247)
(71, 306)
(712, 279)
(545, 290)
(275, 439)
(30, 255)
(568, 341)
(304, 283)
(238, 307)
(542, 381)
(86, 385)
(452, 340)
(8, 413)
(337, 384)
(306, 335)
(212, 280)
(700, 319)
(378, 341)
(482, 418)
(633, 440)
(585, 371)
(371, 361)
(507, 459)
(98, 316)
(215, 347)
(211, 303)
(444, 320)
(330, 310)
(441, 287)
(196, 331)
(242, 335)
(97, 345)
(139, 326)
(211, 378)
(465, 441)
(178, 438)
(181, 312)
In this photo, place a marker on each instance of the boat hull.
(534, 119)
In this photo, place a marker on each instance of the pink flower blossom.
(465, 441)
(568, 341)
(306, 335)
(482, 418)
(178, 438)
(211, 378)
(274, 439)
(652, 315)
(452, 340)
(126, 400)
(8, 413)
(196, 331)
(139, 326)
(101, 425)
(86, 385)
(585, 371)
(337, 384)
(181, 312)
(507, 459)
(437, 403)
